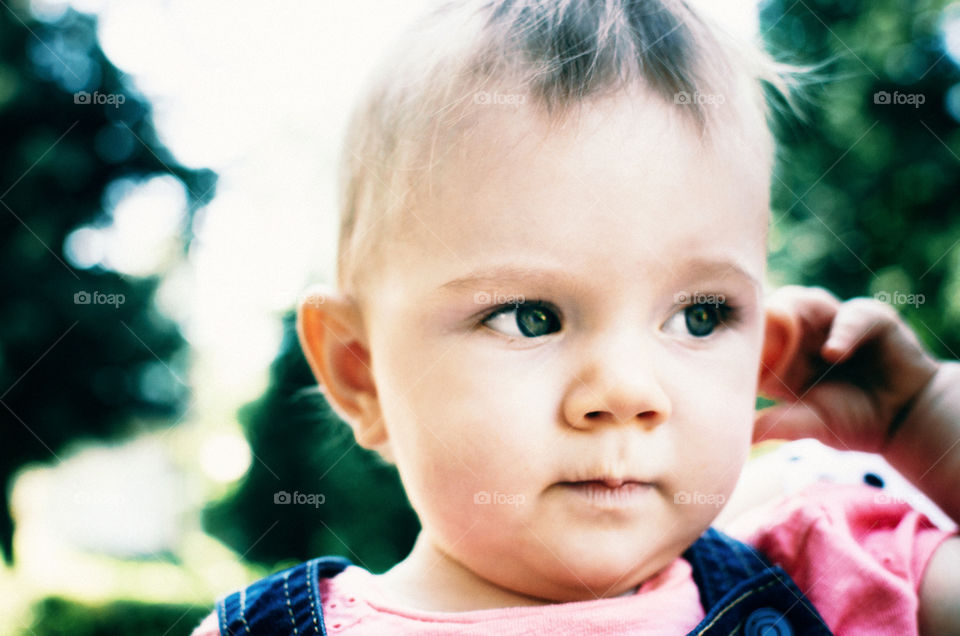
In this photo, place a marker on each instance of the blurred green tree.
(55, 616)
(70, 370)
(866, 197)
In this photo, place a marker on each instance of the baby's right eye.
(524, 320)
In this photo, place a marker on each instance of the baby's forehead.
(623, 176)
(606, 144)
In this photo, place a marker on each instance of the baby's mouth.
(609, 482)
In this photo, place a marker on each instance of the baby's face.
(635, 255)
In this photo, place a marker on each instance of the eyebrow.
(499, 275)
(720, 268)
(515, 273)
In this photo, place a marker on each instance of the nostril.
(592, 415)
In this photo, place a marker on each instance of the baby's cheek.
(713, 439)
(456, 454)
(471, 492)
(722, 456)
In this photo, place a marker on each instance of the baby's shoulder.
(828, 512)
(810, 531)
(795, 484)
(856, 538)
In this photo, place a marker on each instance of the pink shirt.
(858, 557)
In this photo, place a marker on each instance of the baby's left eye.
(699, 319)
(524, 320)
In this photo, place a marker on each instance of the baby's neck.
(430, 580)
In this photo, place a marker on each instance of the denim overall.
(741, 593)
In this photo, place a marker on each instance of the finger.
(813, 310)
(815, 307)
(858, 321)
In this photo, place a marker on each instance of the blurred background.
(166, 192)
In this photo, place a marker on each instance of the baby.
(550, 317)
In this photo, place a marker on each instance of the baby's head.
(549, 313)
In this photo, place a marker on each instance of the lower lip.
(600, 495)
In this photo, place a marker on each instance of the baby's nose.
(616, 384)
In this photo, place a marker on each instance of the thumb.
(796, 420)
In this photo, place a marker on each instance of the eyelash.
(728, 315)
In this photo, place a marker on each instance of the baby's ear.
(780, 342)
(331, 332)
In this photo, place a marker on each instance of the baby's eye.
(524, 320)
(699, 319)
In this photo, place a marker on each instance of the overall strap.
(287, 602)
(742, 593)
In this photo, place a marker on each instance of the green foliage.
(55, 616)
(866, 197)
